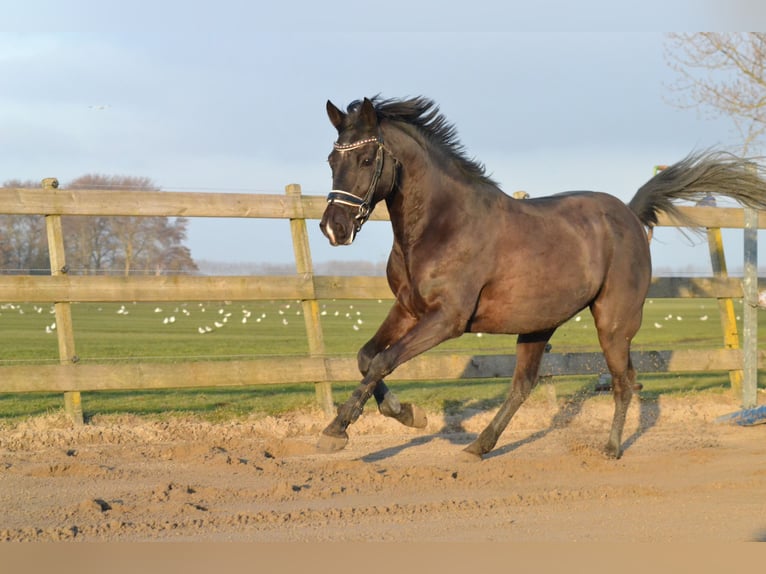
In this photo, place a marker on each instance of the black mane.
(424, 114)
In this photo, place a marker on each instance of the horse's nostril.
(337, 226)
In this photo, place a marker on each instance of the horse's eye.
(366, 162)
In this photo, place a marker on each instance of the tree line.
(97, 245)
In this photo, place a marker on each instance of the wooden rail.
(252, 205)
(73, 288)
(71, 378)
(289, 370)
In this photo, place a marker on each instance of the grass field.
(172, 332)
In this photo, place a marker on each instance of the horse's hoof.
(612, 451)
(329, 443)
(412, 416)
(469, 456)
(406, 413)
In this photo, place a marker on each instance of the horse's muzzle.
(338, 225)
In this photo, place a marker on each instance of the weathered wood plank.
(342, 287)
(311, 316)
(252, 205)
(750, 314)
(148, 203)
(288, 370)
(65, 329)
(35, 288)
(85, 377)
(557, 364)
(728, 217)
(725, 304)
(41, 288)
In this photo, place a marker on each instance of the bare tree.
(91, 246)
(723, 73)
(130, 243)
(170, 254)
(95, 245)
(23, 241)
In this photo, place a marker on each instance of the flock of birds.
(216, 317)
(672, 317)
(219, 317)
(36, 309)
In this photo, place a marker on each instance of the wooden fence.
(317, 367)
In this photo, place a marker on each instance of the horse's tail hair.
(699, 176)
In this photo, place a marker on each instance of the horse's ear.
(368, 115)
(336, 116)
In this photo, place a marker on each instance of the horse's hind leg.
(615, 338)
(623, 384)
(529, 353)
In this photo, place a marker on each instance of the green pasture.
(173, 332)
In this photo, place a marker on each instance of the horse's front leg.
(427, 333)
(396, 324)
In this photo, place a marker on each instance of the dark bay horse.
(468, 258)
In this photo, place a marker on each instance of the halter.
(363, 204)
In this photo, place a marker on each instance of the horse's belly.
(520, 323)
(528, 313)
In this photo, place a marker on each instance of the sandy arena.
(683, 478)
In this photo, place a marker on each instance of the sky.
(230, 96)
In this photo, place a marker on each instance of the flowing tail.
(697, 176)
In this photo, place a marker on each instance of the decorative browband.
(354, 145)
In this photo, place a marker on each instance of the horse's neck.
(426, 187)
(422, 201)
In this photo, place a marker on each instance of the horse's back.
(602, 220)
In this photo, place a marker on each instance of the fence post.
(725, 304)
(750, 318)
(63, 310)
(304, 266)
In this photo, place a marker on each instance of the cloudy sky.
(230, 96)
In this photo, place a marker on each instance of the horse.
(468, 258)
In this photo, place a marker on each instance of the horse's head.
(363, 171)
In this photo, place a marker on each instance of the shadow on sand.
(455, 433)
